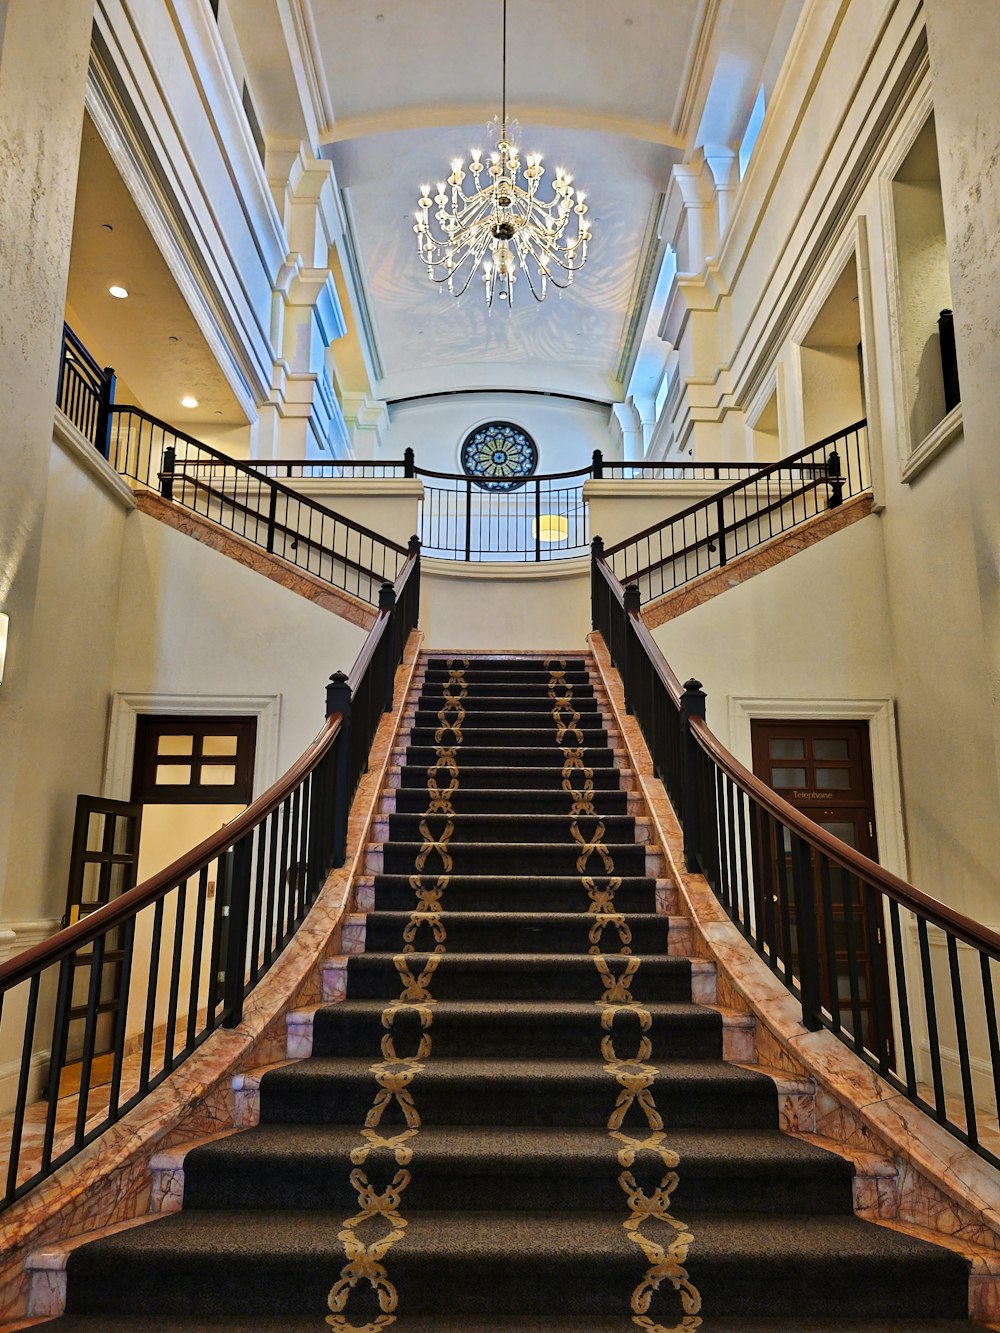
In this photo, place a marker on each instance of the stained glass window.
(501, 453)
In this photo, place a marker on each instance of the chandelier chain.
(503, 227)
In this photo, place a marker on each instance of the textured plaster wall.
(43, 63)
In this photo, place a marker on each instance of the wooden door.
(102, 867)
(824, 770)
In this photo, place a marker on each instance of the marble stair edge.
(910, 1174)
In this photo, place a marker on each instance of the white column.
(625, 417)
(44, 50)
(964, 58)
(724, 164)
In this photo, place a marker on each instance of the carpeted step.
(516, 858)
(514, 828)
(496, 1324)
(540, 1169)
(568, 1093)
(541, 719)
(519, 1029)
(522, 932)
(486, 756)
(534, 695)
(501, 801)
(536, 1264)
(517, 893)
(537, 777)
(499, 736)
(549, 976)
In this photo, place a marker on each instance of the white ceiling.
(611, 89)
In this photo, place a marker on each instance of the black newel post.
(630, 649)
(167, 472)
(598, 465)
(949, 360)
(596, 553)
(236, 932)
(338, 700)
(103, 440)
(387, 603)
(413, 594)
(692, 705)
(834, 480)
(409, 468)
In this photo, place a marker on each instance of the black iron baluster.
(89, 1038)
(175, 977)
(152, 986)
(930, 1008)
(17, 1129)
(807, 934)
(57, 1056)
(693, 704)
(902, 998)
(962, 1035)
(194, 991)
(991, 1023)
(236, 936)
(121, 1017)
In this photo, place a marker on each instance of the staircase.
(517, 1115)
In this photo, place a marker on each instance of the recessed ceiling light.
(189, 401)
(106, 226)
(173, 338)
(119, 293)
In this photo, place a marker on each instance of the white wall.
(815, 626)
(504, 606)
(69, 681)
(193, 621)
(566, 431)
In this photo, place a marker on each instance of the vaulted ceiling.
(617, 92)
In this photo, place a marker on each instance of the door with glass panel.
(824, 770)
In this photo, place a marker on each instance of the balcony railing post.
(806, 933)
(413, 549)
(720, 522)
(630, 649)
(949, 360)
(272, 514)
(598, 465)
(338, 700)
(596, 553)
(236, 933)
(103, 440)
(693, 702)
(468, 518)
(387, 602)
(409, 468)
(835, 481)
(167, 472)
(538, 520)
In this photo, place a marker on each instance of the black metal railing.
(257, 507)
(709, 534)
(161, 968)
(85, 391)
(907, 983)
(542, 518)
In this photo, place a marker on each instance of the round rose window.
(499, 455)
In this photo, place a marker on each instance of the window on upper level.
(752, 131)
(926, 370)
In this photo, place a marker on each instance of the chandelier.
(502, 227)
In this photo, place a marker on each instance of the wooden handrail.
(855, 862)
(782, 463)
(71, 938)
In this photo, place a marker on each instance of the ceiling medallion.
(503, 225)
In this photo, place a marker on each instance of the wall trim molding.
(949, 429)
(125, 710)
(880, 714)
(77, 447)
(16, 936)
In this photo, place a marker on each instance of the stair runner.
(516, 1119)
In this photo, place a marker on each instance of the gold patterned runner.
(396, 1072)
(621, 1014)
